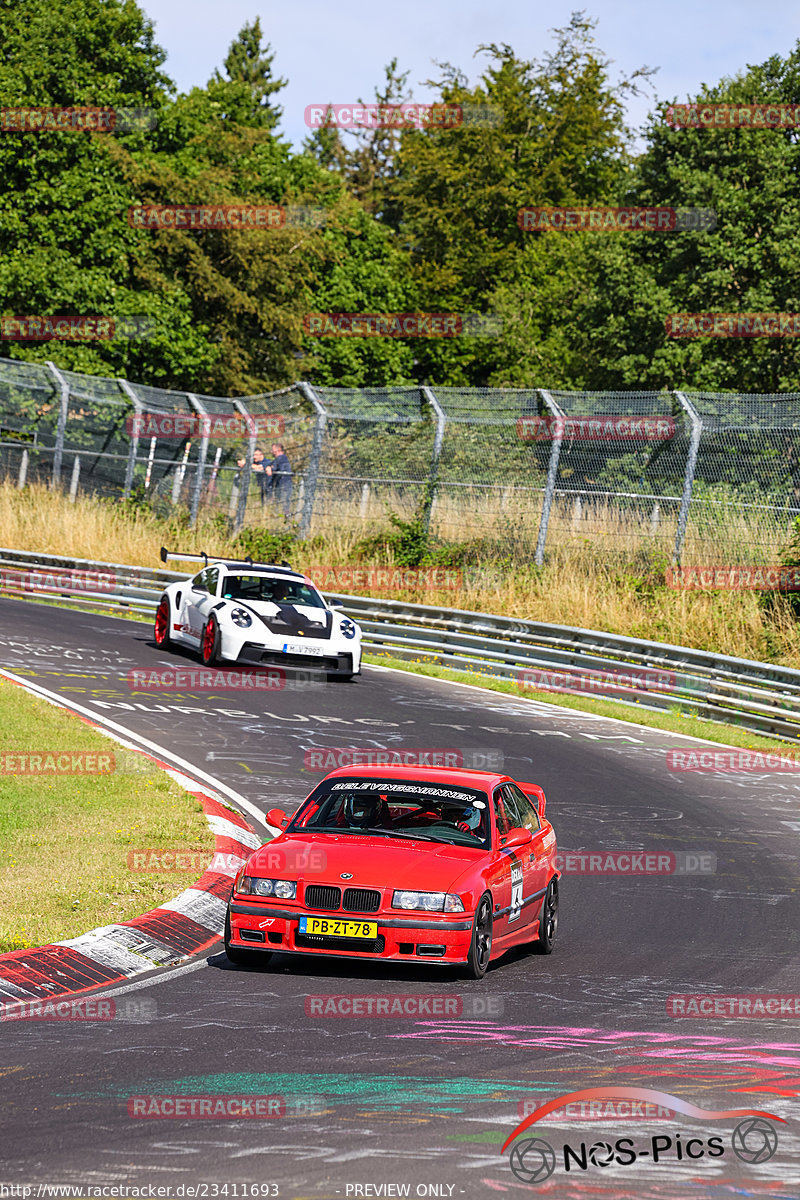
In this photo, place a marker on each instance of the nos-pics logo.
(533, 1160)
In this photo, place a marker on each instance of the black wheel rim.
(483, 935)
(550, 915)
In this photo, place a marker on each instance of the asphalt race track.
(421, 1105)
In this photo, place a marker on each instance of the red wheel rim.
(208, 641)
(162, 622)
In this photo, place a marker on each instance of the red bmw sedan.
(399, 863)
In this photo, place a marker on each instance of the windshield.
(398, 808)
(270, 588)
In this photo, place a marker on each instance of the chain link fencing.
(696, 477)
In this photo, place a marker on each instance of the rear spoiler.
(204, 558)
(536, 794)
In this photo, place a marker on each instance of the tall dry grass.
(603, 571)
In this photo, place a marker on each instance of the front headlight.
(427, 901)
(251, 885)
(241, 617)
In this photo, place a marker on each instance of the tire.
(243, 958)
(480, 946)
(548, 920)
(209, 643)
(161, 630)
(339, 678)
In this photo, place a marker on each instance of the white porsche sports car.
(255, 613)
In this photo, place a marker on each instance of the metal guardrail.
(759, 697)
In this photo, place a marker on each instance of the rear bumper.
(399, 938)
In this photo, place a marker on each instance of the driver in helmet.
(366, 811)
(467, 819)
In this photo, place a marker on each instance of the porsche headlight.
(251, 885)
(427, 901)
(241, 617)
(347, 628)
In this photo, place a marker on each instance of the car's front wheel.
(480, 947)
(548, 920)
(243, 958)
(209, 643)
(161, 634)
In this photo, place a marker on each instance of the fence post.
(438, 442)
(312, 472)
(76, 474)
(23, 470)
(246, 472)
(138, 409)
(552, 473)
(201, 458)
(62, 421)
(688, 479)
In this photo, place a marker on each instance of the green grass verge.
(65, 839)
(676, 721)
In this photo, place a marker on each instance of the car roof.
(480, 780)
(237, 567)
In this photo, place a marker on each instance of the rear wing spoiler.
(172, 556)
(536, 794)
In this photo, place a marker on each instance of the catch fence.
(698, 477)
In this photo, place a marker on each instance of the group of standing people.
(274, 476)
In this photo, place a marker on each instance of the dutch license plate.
(294, 648)
(331, 927)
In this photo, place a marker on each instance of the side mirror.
(516, 837)
(335, 604)
(278, 818)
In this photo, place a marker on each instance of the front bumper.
(332, 663)
(443, 939)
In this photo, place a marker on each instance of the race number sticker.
(516, 892)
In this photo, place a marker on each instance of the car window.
(513, 815)
(416, 810)
(212, 575)
(529, 817)
(199, 581)
(272, 589)
(500, 816)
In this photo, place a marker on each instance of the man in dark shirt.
(280, 473)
